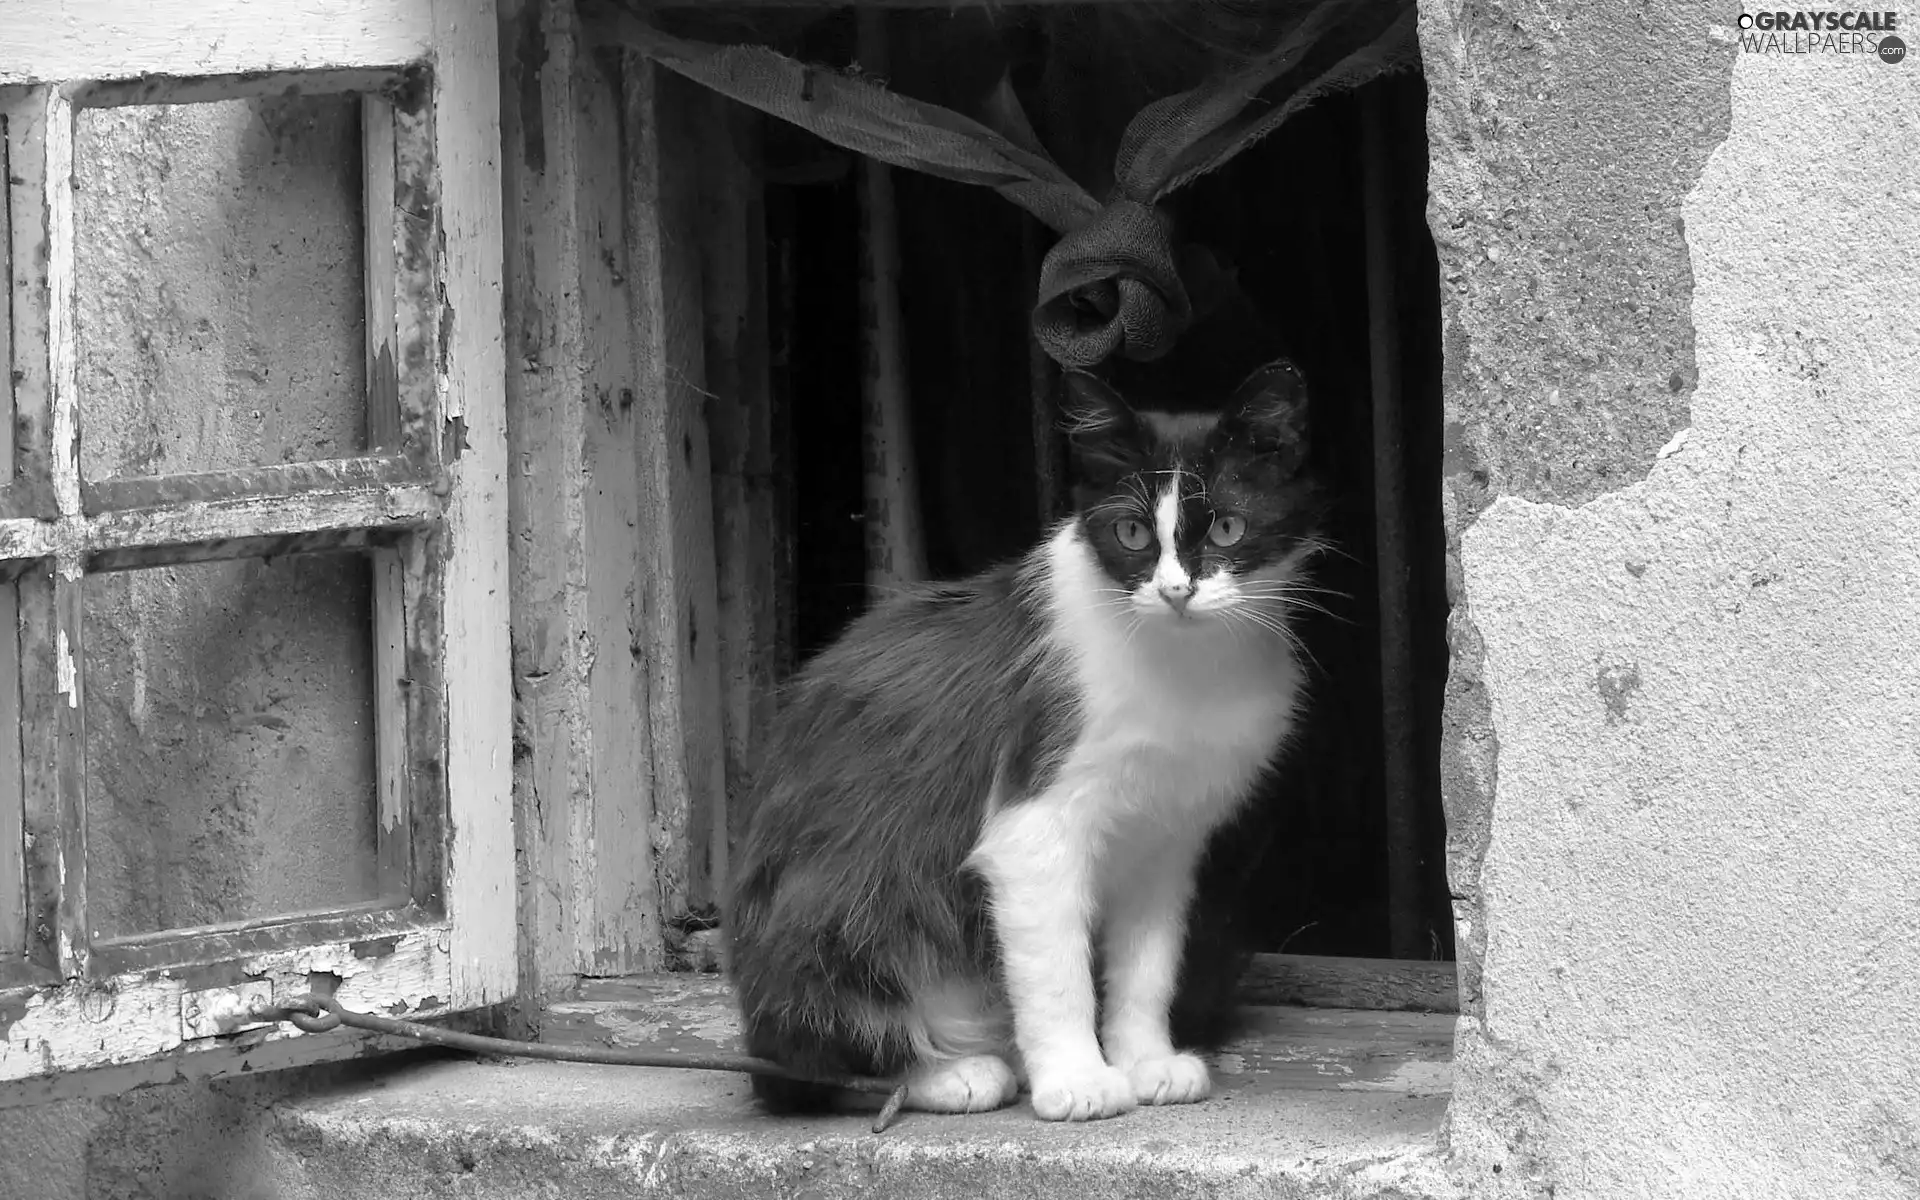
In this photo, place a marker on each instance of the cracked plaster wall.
(1683, 758)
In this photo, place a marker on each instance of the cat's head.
(1202, 516)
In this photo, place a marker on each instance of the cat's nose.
(1177, 595)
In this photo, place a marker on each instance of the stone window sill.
(1309, 1102)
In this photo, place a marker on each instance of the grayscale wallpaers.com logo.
(1823, 33)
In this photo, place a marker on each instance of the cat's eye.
(1227, 530)
(1134, 535)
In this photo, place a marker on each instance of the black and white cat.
(986, 790)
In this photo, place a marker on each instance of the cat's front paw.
(1169, 1079)
(1085, 1094)
(977, 1083)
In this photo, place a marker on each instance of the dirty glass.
(220, 284)
(230, 741)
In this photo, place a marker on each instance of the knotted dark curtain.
(1117, 284)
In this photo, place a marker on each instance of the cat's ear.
(1102, 430)
(1268, 413)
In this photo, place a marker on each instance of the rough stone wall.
(1683, 381)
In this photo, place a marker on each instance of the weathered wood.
(62, 346)
(30, 492)
(586, 795)
(364, 924)
(377, 82)
(546, 489)
(679, 601)
(1408, 985)
(51, 41)
(478, 685)
(13, 865)
(393, 829)
(281, 479)
(247, 526)
(249, 1052)
(54, 724)
(1393, 563)
(122, 1018)
(430, 650)
(444, 356)
(419, 306)
(170, 553)
(43, 714)
(624, 932)
(380, 271)
(747, 531)
(895, 534)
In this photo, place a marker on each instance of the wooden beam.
(13, 864)
(586, 792)
(1407, 985)
(624, 931)
(546, 494)
(747, 529)
(373, 921)
(312, 479)
(250, 526)
(379, 281)
(680, 617)
(469, 631)
(896, 536)
(30, 488)
(377, 82)
(52, 41)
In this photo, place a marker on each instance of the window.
(159, 576)
(837, 389)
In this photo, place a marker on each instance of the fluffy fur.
(987, 792)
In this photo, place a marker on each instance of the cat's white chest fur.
(1176, 722)
(1178, 717)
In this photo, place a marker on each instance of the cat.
(987, 791)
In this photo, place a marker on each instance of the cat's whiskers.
(1254, 615)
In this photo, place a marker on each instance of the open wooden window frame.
(651, 577)
(426, 500)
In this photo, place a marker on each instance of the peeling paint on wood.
(584, 793)
(284, 479)
(246, 85)
(51, 41)
(123, 1018)
(478, 683)
(444, 936)
(30, 491)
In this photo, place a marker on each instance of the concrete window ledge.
(1309, 1103)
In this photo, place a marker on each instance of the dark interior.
(1306, 871)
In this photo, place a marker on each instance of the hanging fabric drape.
(1116, 283)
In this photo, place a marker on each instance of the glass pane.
(230, 741)
(220, 281)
